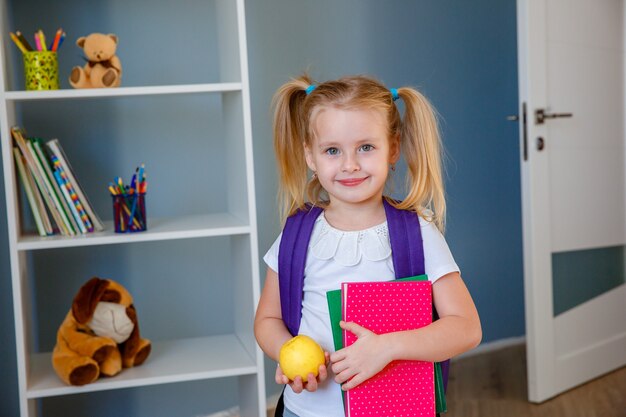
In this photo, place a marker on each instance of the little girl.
(350, 135)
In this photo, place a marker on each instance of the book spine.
(29, 192)
(64, 207)
(40, 204)
(56, 148)
(66, 195)
(70, 189)
(344, 312)
(65, 223)
(345, 316)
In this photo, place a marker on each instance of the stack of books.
(56, 199)
(402, 388)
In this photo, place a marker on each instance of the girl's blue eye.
(332, 151)
(367, 148)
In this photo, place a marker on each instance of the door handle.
(515, 118)
(541, 116)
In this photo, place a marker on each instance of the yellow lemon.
(301, 356)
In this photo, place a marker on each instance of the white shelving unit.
(174, 360)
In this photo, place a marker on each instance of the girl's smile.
(352, 182)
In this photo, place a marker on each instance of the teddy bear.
(100, 334)
(103, 67)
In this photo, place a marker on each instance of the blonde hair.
(295, 109)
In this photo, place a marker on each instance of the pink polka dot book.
(402, 388)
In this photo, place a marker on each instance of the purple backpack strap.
(407, 248)
(291, 262)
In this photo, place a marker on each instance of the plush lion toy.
(99, 335)
(103, 68)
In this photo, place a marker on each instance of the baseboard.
(231, 412)
(493, 346)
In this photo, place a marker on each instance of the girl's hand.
(362, 360)
(310, 384)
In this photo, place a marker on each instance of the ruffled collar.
(348, 247)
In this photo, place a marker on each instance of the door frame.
(536, 235)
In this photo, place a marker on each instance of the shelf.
(170, 361)
(208, 225)
(122, 91)
(202, 111)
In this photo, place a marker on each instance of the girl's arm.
(271, 333)
(269, 328)
(457, 330)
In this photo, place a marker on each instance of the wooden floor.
(493, 384)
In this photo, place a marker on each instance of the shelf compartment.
(122, 91)
(187, 227)
(170, 361)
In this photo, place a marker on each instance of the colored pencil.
(55, 43)
(37, 42)
(17, 42)
(42, 40)
(61, 40)
(23, 40)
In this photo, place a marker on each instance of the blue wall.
(462, 55)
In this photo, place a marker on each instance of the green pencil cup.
(41, 70)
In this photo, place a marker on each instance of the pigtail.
(289, 136)
(421, 146)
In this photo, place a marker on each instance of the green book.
(29, 191)
(333, 299)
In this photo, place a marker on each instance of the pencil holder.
(129, 213)
(41, 70)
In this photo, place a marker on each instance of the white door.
(571, 68)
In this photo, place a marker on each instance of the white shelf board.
(170, 361)
(122, 91)
(187, 227)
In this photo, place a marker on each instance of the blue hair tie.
(394, 93)
(309, 89)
